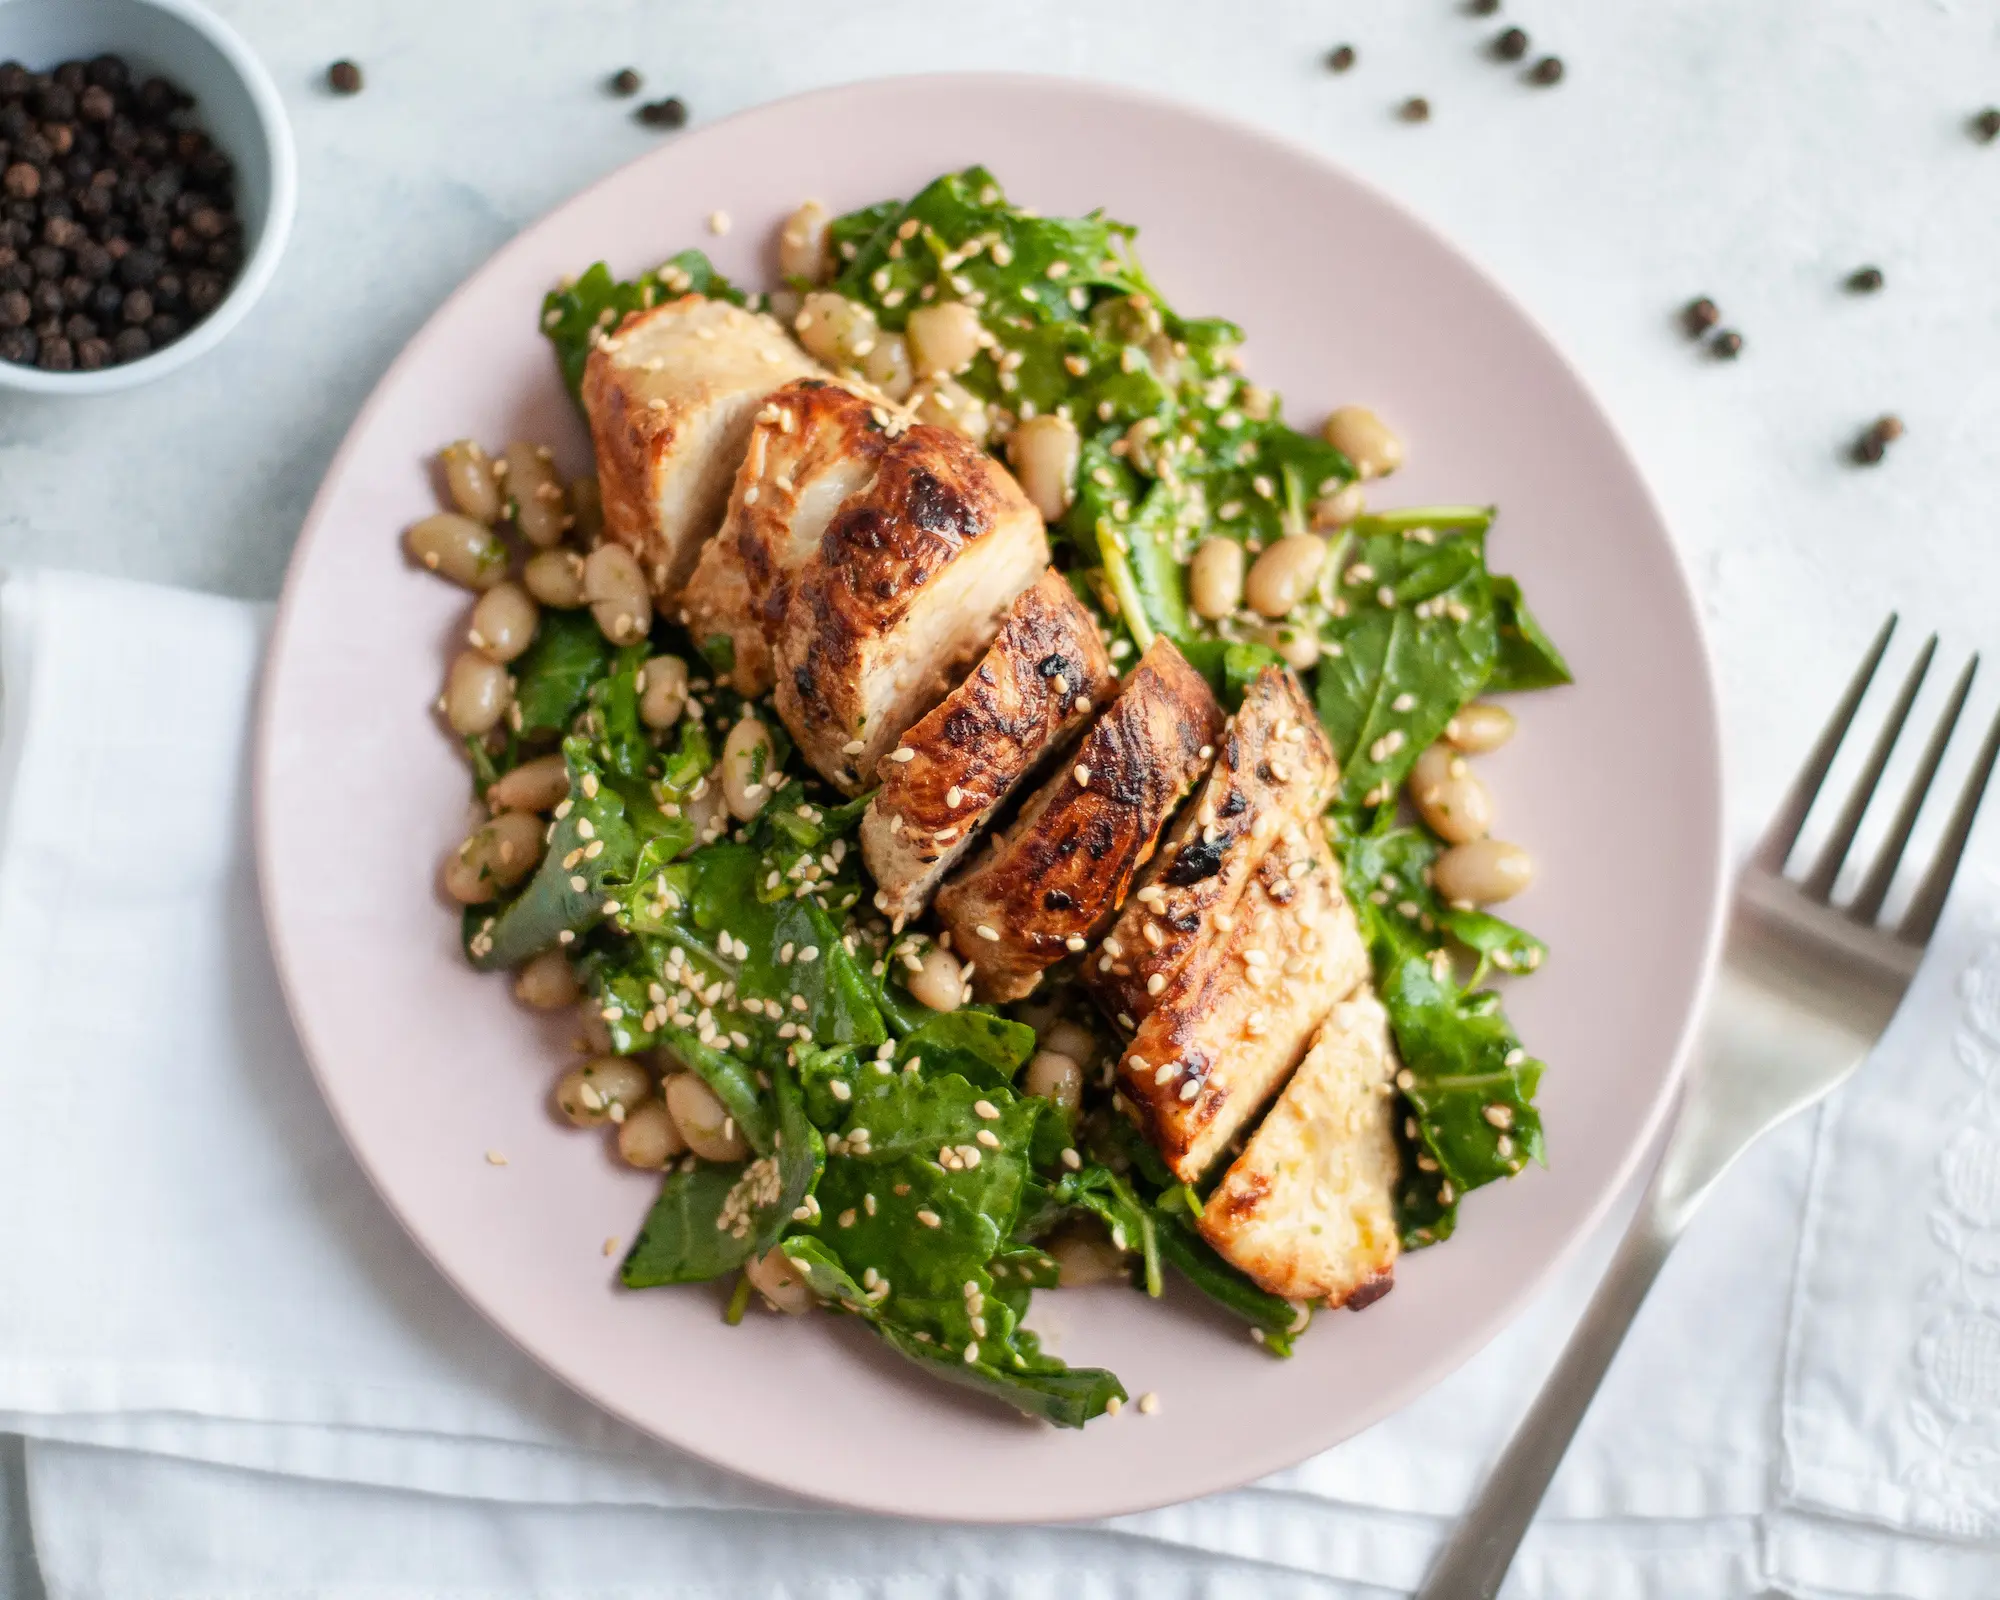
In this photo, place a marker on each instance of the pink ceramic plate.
(1614, 786)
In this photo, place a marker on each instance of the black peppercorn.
(15, 309)
(77, 327)
(1699, 315)
(1415, 109)
(344, 77)
(1865, 280)
(1547, 71)
(137, 307)
(93, 353)
(1482, 8)
(106, 300)
(1340, 58)
(625, 81)
(21, 181)
(19, 345)
(165, 328)
(139, 268)
(1727, 345)
(1875, 439)
(131, 344)
(56, 355)
(13, 80)
(1986, 126)
(1511, 45)
(671, 112)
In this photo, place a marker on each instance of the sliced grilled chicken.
(812, 445)
(1030, 695)
(1053, 881)
(670, 394)
(908, 586)
(1233, 1020)
(1308, 1209)
(1273, 767)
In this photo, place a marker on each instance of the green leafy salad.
(864, 1151)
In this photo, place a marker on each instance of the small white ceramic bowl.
(236, 103)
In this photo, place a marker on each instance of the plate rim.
(1644, 1147)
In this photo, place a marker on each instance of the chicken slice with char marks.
(1273, 767)
(813, 445)
(1053, 881)
(1308, 1210)
(1231, 1022)
(670, 394)
(1030, 695)
(907, 588)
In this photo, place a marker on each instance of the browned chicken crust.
(813, 444)
(1054, 880)
(1308, 1210)
(1273, 767)
(907, 588)
(1232, 1021)
(670, 393)
(1032, 692)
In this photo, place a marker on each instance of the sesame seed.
(495, 1159)
(972, 1353)
(989, 1138)
(903, 754)
(954, 796)
(985, 1109)
(1113, 1406)
(1149, 1403)
(718, 223)
(1072, 1160)
(1074, 943)
(853, 747)
(839, 1089)
(987, 932)
(1082, 775)
(1156, 983)
(928, 1217)
(1406, 1079)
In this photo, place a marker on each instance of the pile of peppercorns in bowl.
(118, 224)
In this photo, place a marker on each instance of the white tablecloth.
(1753, 153)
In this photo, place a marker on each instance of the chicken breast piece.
(670, 393)
(907, 588)
(1053, 881)
(1234, 1018)
(1308, 1210)
(1273, 767)
(1044, 676)
(813, 445)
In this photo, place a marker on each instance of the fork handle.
(1474, 1562)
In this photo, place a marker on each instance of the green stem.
(1131, 609)
(739, 1300)
(1446, 519)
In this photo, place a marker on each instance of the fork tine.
(1874, 890)
(1776, 845)
(1921, 920)
(1819, 883)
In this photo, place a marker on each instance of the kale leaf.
(1528, 657)
(552, 679)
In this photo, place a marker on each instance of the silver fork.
(1805, 989)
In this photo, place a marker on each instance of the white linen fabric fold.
(234, 1369)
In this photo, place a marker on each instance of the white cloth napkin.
(232, 1366)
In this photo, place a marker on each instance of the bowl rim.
(257, 272)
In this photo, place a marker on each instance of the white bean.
(1338, 509)
(554, 577)
(1480, 727)
(835, 329)
(547, 982)
(1284, 574)
(1483, 872)
(1297, 646)
(616, 590)
(538, 785)
(1449, 796)
(471, 482)
(457, 548)
(647, 1138)
(503, 622)
(596, 1031)
(804, 245)
(947, 403)
(477, 693)
(1215, 578)
(1366, 440)
(943, 339)
(887, 366)
(707, 811)
(1053, 1076)
(938, 983)
(1044, 450)
(746, 769)
(704, 1121)
(498, 855)
(1071, 1039)
(664, 697)
(603, 1089)
(536, 499)
(780, 1283)
(1083, 1258)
